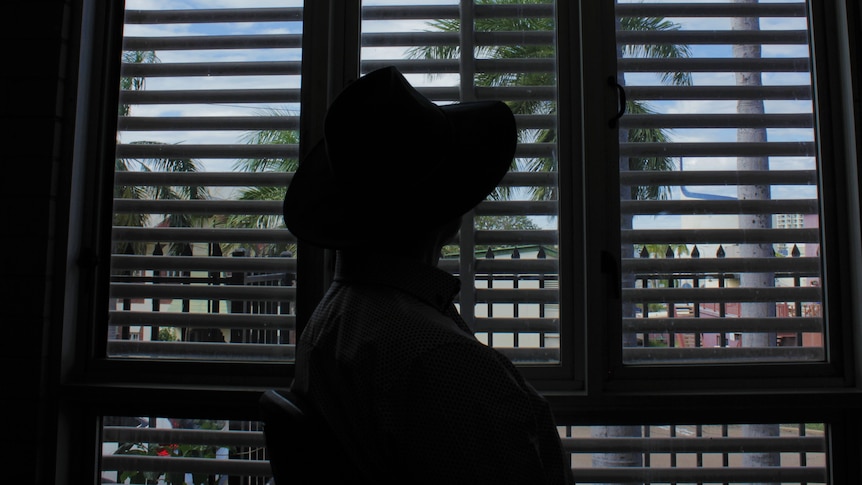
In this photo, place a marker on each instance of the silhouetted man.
(386, 359)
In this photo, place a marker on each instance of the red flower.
(162, 452)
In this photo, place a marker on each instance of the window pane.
(207, 139)
(698, 453)
(140, 450)
(720, 211)
(134, 447)
(507, 253)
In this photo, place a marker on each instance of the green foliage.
(660, 250)
(545, 107)
(496, 223)
(176, 165)
(135, 83)
(657, 307)
(172, 450)
(271, 193)
(167, 334)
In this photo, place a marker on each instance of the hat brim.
(481, 149)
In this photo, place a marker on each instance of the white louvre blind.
(698, 453)
(203, 268)
(183, 451)
(207, 142)
(720, 202)
(682, 453)
(507, 254)
(201, 255)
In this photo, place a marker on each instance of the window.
(207, 137)
(718, 144)
(672, 258)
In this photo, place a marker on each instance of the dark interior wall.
(34, 73)
(37, 97)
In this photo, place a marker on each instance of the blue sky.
(215, 82)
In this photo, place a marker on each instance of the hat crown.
(381, 125)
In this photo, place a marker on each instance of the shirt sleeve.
(463, 414)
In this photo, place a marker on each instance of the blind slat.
(724, 236)
(203, 123)
(205, 16)
(434, 12)
(517, 295)
(725, 92)
(203, 292)
(186, 465)
(695, 37)
(201, 263)
(411, 39)
(252, 151)
(721, 355)
(543, 266)
(201, 350)
(723, 325)
(207, 69)
(269, 207)
(210, 207)
(711, 264)
(191, 151)
(510, 208)
(209, 96)
(749, 206)
(719, 149)
(186, 234)
(706, 120)
(700, 64)
(200, 42)
(719, 177)
(718, 295)
(203, 320)
(655, 444)
(191, 436)
(532, 236)
(242, 179)
(687, 9)
(704, 475)
(519, 325)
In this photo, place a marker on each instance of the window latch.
(621, 103)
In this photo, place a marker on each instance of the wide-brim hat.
(391, 162)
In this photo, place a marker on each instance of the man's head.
(391, 161)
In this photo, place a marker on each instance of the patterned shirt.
(411, 394)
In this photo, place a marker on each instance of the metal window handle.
(621, 92)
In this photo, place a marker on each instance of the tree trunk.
(614, 460)
(754, 221)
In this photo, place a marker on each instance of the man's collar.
(425, 282)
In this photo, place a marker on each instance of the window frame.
(595, 389)
(838, 371)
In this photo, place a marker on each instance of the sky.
(679, 135)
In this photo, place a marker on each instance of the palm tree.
(546, 107)
(148, 165)
(754, 221)
(152, 192)
(266, 137)
(135, 83)
(499, 79)
(157, 192)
